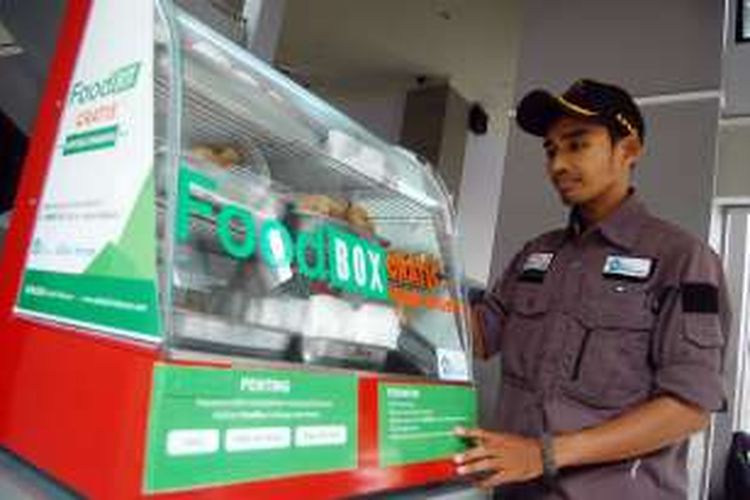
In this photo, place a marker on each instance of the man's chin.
(568, 200)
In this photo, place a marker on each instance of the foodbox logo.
(120, 80)
(95, 121)
(348, 262)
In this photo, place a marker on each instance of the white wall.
(479, 201)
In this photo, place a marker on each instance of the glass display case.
(287, 231)
(218, 285)
(247, 293)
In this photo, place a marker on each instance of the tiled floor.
(19, 481)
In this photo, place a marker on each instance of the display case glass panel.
(298, 235)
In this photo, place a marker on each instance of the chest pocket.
(523, 339)
(610, 367)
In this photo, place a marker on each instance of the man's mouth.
(566, 184)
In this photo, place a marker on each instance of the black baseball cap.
(601, 102)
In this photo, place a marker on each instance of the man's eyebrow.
(575, 133)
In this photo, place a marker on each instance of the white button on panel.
(320, 435)
(192, 442)
(258, 438)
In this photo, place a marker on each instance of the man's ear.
(632, 149)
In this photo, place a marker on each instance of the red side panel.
(339, 485)
(78, 407)
(70, 404)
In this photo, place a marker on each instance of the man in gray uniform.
(611, 330)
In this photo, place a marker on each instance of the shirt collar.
(621, 227)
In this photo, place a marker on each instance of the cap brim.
(539, 109)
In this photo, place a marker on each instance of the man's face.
(583, 164)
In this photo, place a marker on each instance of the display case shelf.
(294, 164)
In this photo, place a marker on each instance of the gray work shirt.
(592, 324)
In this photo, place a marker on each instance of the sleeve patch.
(700, 298)
(532, 276)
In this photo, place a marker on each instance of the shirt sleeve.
(493, 309)
(692, 330)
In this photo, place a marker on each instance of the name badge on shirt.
(618, 266)
(536, 266)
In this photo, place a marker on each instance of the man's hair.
(616, 134)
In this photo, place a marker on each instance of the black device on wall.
(743, 21)
(478, 119)
(13, 145)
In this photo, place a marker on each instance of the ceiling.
(340, 47)
(379, 46)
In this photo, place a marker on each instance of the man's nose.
(557, 164)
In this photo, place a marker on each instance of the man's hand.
(509, 458)
(476, 329)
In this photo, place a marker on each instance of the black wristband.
(548, 458)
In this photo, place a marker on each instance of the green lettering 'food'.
(240, 249)
(187, 204)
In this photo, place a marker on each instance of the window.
(739, 279)
(736, 257)
(743, 20)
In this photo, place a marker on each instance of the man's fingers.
(472, 455)
(485, 464)
(471, 433)
(492, 481)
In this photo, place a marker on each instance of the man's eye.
(576, 145)
(549, 153)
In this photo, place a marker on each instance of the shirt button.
(576, 264)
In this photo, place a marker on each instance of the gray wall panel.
(676, 175)
(649, 47)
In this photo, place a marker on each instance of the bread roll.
(323, 205)
(223, 156)
(360, 219)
